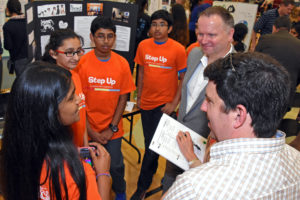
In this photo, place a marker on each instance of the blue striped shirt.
(265, 23)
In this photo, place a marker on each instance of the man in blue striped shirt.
(265, 23)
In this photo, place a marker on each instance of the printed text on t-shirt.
(102, 81)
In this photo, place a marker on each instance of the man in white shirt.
(215, 34)
(246, 97)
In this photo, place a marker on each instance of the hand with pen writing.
(186, 145)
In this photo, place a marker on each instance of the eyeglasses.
(232, 67)
(158, 25)
(79, 52)
(102, 37)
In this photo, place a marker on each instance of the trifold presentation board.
(43, 17)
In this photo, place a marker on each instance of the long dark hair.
(180, 27)
(57, 39)
(33, 135)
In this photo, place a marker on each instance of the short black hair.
(162, 14)
(102, 22)
(256, 81)
(283, 22)
(14, 6)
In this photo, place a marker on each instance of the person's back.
(283, 47)
(15, 37)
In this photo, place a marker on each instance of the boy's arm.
(140, 85)
(171, 106)
(107, 133)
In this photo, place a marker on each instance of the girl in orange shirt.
(38, 158)
(65, 50)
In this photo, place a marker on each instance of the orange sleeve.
(181, 58)
(127, 80)
(139, 54)
(92, 188)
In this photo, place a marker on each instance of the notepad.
(164, 141)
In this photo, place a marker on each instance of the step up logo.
(102, 81)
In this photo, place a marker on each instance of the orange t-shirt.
(73, 192)
(161, 65)
(79, 127)
(103, 82)
(190, 48)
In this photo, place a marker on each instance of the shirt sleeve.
(139, 55)
(92, 188)
(7, 38)
(181, 189)
(260, 23)
(181, 60)
(127, 80)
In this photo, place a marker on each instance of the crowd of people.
(69, 100)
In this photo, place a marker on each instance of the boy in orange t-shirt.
(106, 81)
(160, 59)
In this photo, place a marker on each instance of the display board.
(242, 13)
(43, 17)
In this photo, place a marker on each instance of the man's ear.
(170, 29)
(240, 116)
(53, 54)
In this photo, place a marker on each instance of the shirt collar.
(248, 145)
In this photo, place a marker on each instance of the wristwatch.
(113, 128)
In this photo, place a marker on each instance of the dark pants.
(150, 120)
(116, 165)
(170, 175)
(20, 66)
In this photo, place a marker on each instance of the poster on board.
(242, 13)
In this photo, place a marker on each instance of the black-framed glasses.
(79, 52)
(232, 67)
(159, 25)
(102, 37)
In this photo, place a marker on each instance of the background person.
(160, 59)
(240, 32)
(180, 29)
(65, 49)
(266, 21)
(15, 36)
(39, 159)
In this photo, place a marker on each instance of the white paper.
(75, 7)
(44, 41)
(82, 25)
(164, 141)
(129, 106)
(123, 38)
(29, 16)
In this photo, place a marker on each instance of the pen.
(195, 145)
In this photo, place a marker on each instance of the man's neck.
(213, 57)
